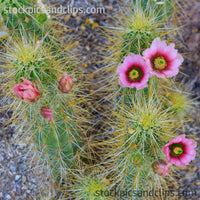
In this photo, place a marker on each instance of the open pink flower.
(134, 72)
(163, 60)
(46, 113)
(65, 84)
(161, 167)
(180, 151)
(27, 91)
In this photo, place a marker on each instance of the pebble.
(13, 168)
(17, 177)
(22, 145)
(23, 179)
(10, 155)
(1, 158)
(8, 196)
(21, 167)
(24, 187)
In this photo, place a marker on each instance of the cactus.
(144, 119)
(15, 18)
(143, 130)
(90, 187)
(46, 92)
(46, 106)
(49, 105)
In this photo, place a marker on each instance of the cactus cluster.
(150, 110)
(42, 82)
(139, 146)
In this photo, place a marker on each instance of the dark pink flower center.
(159, 63)
(176, 149)
(135, 74)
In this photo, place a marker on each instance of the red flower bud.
(65, 84)
(27, 91)
(161, 167)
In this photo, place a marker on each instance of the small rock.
(8, 196)
(17, 177)
(24, 187)
(9, 155)
(1, 158)
(12, 168)
(23, 179)
(22, 145)
(21, 167)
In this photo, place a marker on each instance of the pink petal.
(160, 48)
(129, 62)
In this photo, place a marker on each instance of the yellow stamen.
(178, 150)
(133, 74)
(160, 63)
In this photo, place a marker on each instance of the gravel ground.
(17, 181)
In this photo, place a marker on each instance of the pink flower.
(47, 113)
(27, 91)
(65, 84)
(134, 72)
(163, 60)
(161, 167)
(180, 151)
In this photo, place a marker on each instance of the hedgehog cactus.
(45, 101)
(150, 108)
(142, 129)
(90, 187)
